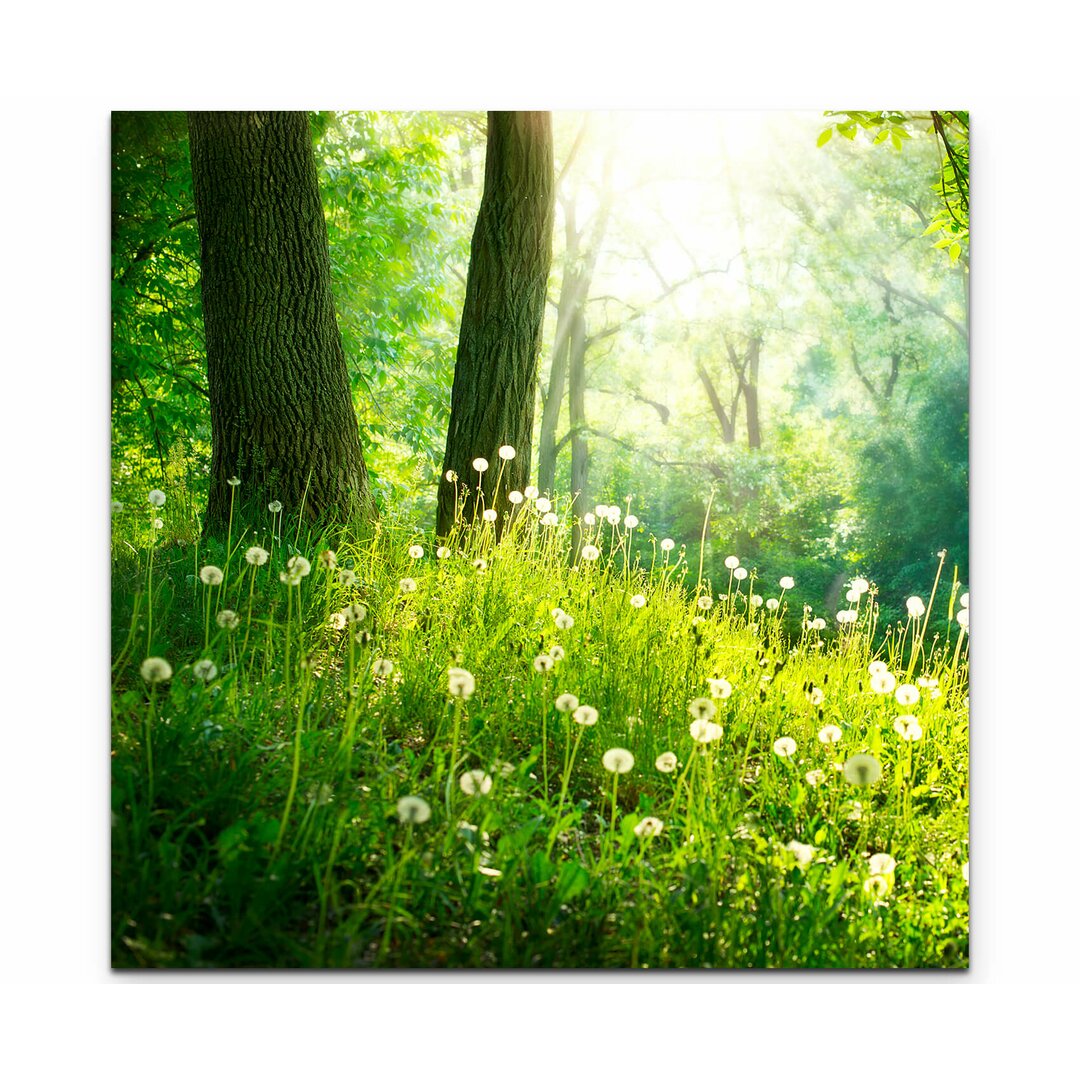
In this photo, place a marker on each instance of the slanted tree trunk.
(493, 400)
(281, 411)
(750, 392)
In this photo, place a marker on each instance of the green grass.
(255, 816)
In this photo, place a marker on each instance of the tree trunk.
(493, 400)
(579, 446)
(750, 393)
(281, 411)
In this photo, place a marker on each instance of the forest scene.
(539, 540)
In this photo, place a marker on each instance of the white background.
(65, 71)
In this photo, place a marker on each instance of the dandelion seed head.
(585, 715)
(618, 760)
(884, 682)
(732, 562)
(908, 728)
(756, 601)
(667, 762)
(460, 683)
(860, 585)
(829, 734)
(589, 518)
(204, 670)
(451, 476)
(479, 565)
(480, 464)
(882, 863)
(507, 452)
(383, 668)
(846, 616)
(878, 667)
(915, 607)
(158, 523)
(412, 810)
(490, 515)
(817, 624)
(613, 515)
(704, 601)
(590, 553)
(407, 585)
(702, 708)
(787, 582)
(227, 619)
(543, 505)
(719, 688)
(815, 777)
(785, 746)
(337, 620)
(962, 617)
(772, 603)
(549, 519)
(705, 731)
(566, 703)
(964, 871)
(347, 578)
(531, 492)
(211, 575)
(475, 782)
(442, 553)
(964, 600)
(815, 695)
(543, 663)
(156, 497)
(298, 566)
(416, 551)
(853, 596)
(564, 621)
(516, 498)
(155, 669)
(667, 544)
(648, 826)
(274, 507)
(233, 481)
(631, 521)
(637, 600)
(117, 506)
(862, 769)
(907, 694)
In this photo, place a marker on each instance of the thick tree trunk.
(281, 410)
(493, 401)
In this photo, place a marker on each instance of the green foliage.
(951, 132)
(256, 817)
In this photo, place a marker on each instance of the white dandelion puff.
(915, 607)
(705, 731)
(667, 762)
(830, 734)
(347, 578)
(702, 708)
(884, 682)
(557, 652)
(416, 551)
(383, 668)
(804, 853)
(507, 452)
(566, 703)
(648, 826)
(531, 492)
(667, 544)
(787, 582)
(784, 747)
(460, 683)
(211, 575)
(815, 777)
(862, 769)
(543, 663)
(772, 603)
(618, 760)
(719, 688)
(590, 553)
(442, 553)
(412, 810)
(962, 617)
(155, 669)
(638, 600)
(564, 621)
(204, 670)
(407, 585)
(740, 573)
(908, 728)
(480, 464)
(227, 619)
(516, 498)
(631, 521)
(475, 782)
(860, 585)
(490, 515)
(274, 507)
(732, 562)
(704, 601)
(156, 497)
(907, 694)
(877, 667)
(585, 715)
(542, 504)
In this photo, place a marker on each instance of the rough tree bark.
(281, 410)
(493, 400)
(579, 443)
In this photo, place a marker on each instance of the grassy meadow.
(358, 748)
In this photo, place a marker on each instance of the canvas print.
(540, 540)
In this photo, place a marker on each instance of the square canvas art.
(540, 540)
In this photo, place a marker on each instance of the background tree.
(493, 399)
(281, 411)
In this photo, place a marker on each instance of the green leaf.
(954, 252)
(825, 136)
(573, 879)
